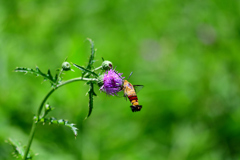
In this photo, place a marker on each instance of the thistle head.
(112, 82)
(66, 66)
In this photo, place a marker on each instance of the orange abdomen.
(129, 91)
(133, 99)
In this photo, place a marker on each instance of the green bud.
(106, 65)
(35, 118)
(66, 66)
(47, 107)
(100, 80)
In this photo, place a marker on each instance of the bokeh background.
(185, 53)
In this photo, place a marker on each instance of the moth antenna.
(130, 75)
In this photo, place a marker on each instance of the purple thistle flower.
(112, 82)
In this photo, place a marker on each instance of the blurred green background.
(185, 53)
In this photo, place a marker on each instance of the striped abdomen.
(133, 99)
(129, 91)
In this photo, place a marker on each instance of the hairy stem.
(34, 125)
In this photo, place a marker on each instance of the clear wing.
(138, 88)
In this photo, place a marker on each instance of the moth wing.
(137, 88)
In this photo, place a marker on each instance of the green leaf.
(53, 120)
(85, 70)
(91, 93)
(91, 58)
(58, 79)
(90, 104)
(91, 61)
(50, 76)
(18, 149)
(38, 72)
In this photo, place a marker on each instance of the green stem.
(100, 67)
(34, 125)
(60, 73)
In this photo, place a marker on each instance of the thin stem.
(59, 74)
(76, 79)
(100, 67)
(34, 125)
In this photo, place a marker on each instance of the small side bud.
(66, 66)
(106, 65)
(35, 118)
(47, 107)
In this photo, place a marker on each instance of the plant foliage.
(38, 72)
(18, 149)
(53, 120)
(89, 75)
(85, 70)
(91, 93)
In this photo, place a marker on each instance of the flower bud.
(106, 65)
(66, 66)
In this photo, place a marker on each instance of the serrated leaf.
(56, 78)
(53, 120)
(74, 129)
(50, 75)
(90, 104)
(18, 149)
(38, 72)
(91, 93)
(85, 70)
(91, 58)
